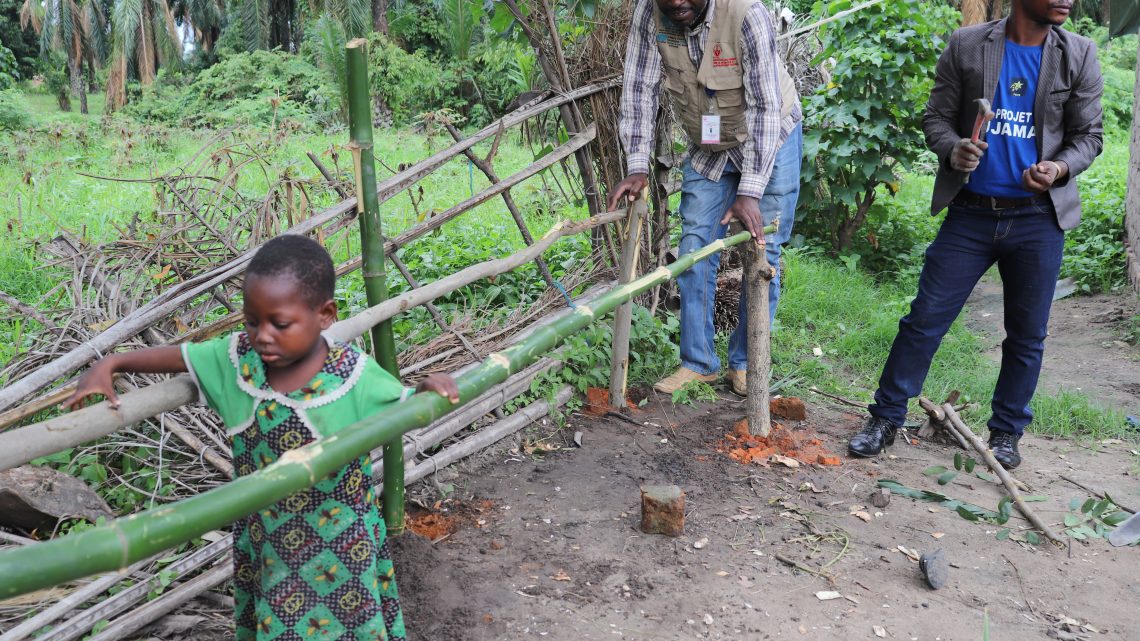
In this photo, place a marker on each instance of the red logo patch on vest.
(718, 61)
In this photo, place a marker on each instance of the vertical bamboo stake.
(623, 316)
(757, 274)
(372, 255)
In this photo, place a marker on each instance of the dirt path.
(556, 553)
(1084, 351)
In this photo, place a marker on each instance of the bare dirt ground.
(554, 550)
(557, 552)
(1084, 351)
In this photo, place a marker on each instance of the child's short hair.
(301, 258)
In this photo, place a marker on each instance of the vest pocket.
(730, 97)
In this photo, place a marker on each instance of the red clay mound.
(802, 445)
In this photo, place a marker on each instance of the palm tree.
(75, 27)
(143, 38)
(205, 17)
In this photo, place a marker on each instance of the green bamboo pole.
(372, 256)
(123, 541)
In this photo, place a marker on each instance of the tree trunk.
(1132, 199)
(380, 16)
(974, 12)
(75, 75)
(848, 227)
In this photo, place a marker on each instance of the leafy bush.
(864, 127)
(1117, 100)
(260, 88)
(14, 112)
(9, 71)
(1094, 250)
(416, 26)
(408, 83)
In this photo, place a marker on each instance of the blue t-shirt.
(1011, 134)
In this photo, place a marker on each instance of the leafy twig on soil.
(845, 401)
(965, 432)
(1097, 493)
(803, 568)
(1020, 584)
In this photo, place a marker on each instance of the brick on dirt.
(788, 408)
(662, 510)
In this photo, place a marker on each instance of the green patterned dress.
(316, 564)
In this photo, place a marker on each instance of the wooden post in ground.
(623, 316)
(757, 274)
(372, 255)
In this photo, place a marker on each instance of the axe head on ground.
(985, 115)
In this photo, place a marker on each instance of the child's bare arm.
(442, 384)
(152, 360)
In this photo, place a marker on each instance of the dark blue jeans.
(1026, 244)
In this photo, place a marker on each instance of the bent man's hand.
(630, 187)
(967, 154)
(746, 209)
(1039, 177)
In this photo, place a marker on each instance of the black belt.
(971, 199)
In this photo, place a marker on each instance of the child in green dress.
(316, 564)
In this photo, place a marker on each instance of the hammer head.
(985, 114)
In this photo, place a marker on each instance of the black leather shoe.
(876, 436)
(1004, 446)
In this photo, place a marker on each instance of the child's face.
(283, 327)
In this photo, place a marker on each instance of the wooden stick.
(219, 462)
(27, 310)
(489, 435)
(562, 151)
(939, 421)
(757, 276)
(623, 315)
(845, 401)
(96, 587)
(82, 622)
(966, 433)
(122, 627)
(351, 328)
(803, 568)
(19, 446)
(418, 441)
(489, 171)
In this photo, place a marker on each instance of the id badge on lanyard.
(710, 121)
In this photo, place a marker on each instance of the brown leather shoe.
(680, 378)
(738, 380)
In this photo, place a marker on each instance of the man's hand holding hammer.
(967, 154)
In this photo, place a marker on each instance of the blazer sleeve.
(1084, 127)
(940, 122)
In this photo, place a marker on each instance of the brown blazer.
(1066, 111)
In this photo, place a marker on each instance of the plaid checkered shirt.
(642, 89)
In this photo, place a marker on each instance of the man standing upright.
(1010, 200)
(738, 106)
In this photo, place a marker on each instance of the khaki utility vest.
(720, 71)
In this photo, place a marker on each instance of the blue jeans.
(703, 204)
(1026, 244)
